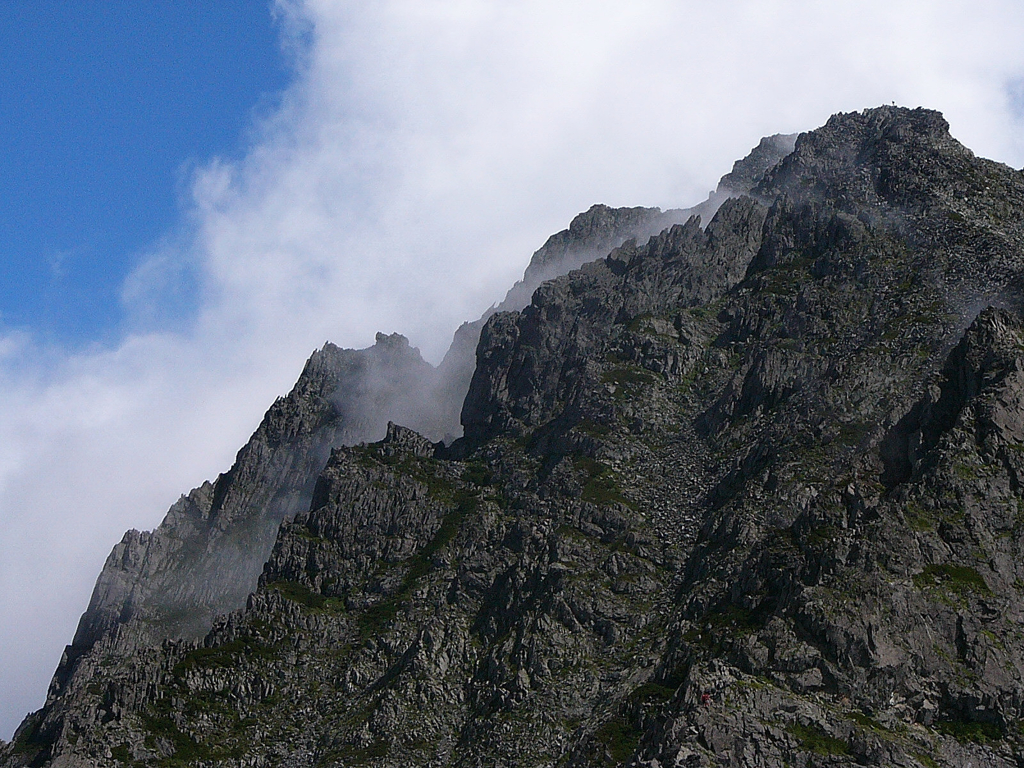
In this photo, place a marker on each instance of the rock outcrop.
(206, 556)
(745, 493)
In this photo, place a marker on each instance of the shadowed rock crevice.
(985, 370)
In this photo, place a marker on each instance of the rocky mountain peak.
(746, 173)
(742, 491)
(893, 155)
(393, 341)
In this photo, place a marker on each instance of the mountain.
(744, 489)
(206, 556)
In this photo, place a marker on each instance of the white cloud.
(424, 150)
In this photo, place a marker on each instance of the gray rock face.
(592, 235)
(206, 556)
(531, 365)
(746, 495)
(748, 172)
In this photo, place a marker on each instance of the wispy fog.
(424, 150)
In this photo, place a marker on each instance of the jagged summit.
(909, 153)
(745, 491)
(748, 172)
(206, 556)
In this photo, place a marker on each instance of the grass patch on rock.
(959, 579)
(222, 656)
(477, 473)
(651, 693)
(814, 739)
(626, 381)
(186, 750)
(918, 518)
(601, 485)
(968, 731)
(619, 737)
(304, 596)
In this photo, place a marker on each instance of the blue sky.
(186, 213)
(106, 107)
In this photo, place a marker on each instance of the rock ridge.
(744, 493)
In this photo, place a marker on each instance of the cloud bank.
(423, 151)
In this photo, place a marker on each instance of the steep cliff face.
(591, 236)
(207, 554)
(745, 494)
(550, 360)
